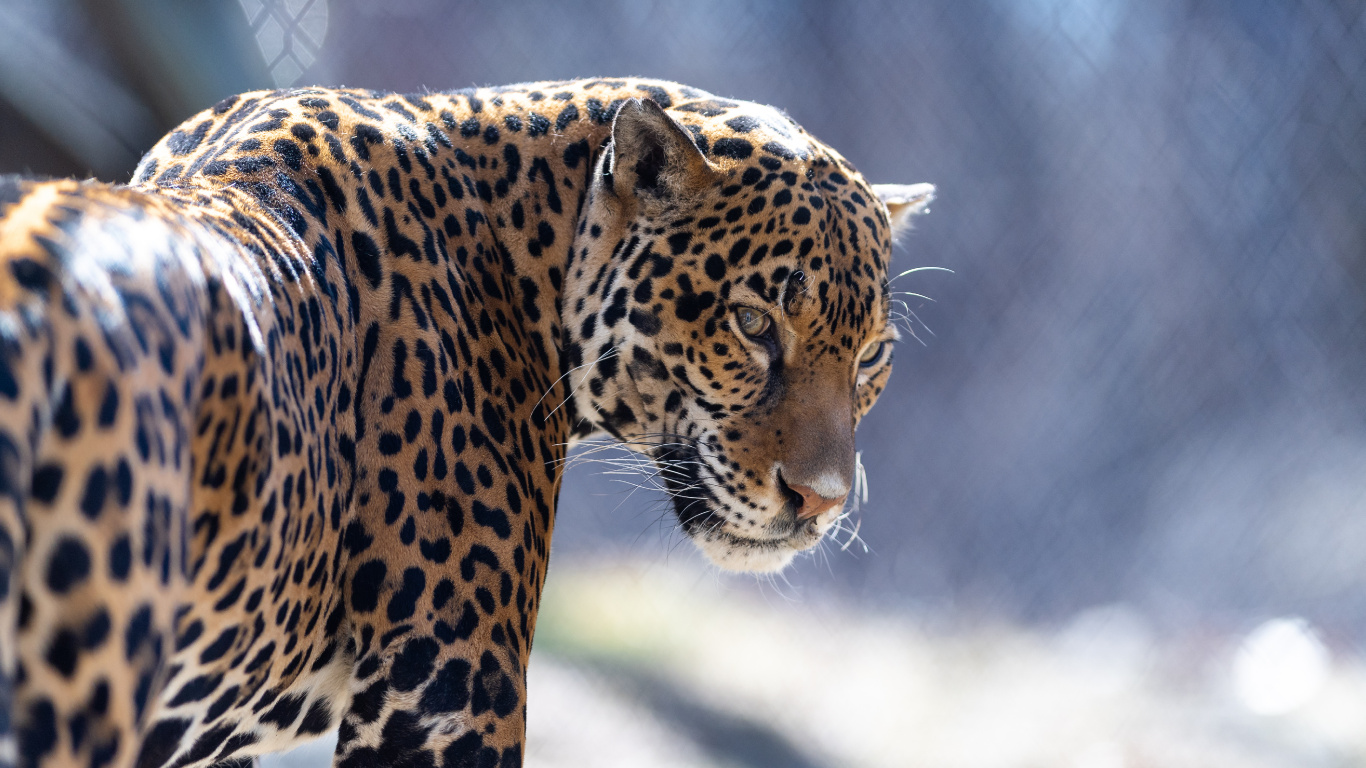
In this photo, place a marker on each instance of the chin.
(739, 553)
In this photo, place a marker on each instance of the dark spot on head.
(736, 149)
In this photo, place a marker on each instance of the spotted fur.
(282, 421)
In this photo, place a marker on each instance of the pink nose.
(813, 503)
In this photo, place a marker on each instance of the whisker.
(603, 356)
(920, 269)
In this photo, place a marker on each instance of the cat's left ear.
(904, 202)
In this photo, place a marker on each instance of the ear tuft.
(904, 201)
(653, 156)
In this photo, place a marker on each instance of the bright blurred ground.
(672, 664)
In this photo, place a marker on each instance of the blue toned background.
(1117, 508)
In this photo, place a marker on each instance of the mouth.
(699, 514)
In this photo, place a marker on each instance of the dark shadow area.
(729, 739)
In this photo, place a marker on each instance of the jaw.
(702, 518)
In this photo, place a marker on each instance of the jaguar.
(283, 420)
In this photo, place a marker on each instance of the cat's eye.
(752, 322)
(872, 354)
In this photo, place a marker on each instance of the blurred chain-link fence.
(1144, 382)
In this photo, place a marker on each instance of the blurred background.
(1117, 486)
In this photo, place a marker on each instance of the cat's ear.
(904, 202)
(653, 156)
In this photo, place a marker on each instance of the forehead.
(736, 131)
(791, 205)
